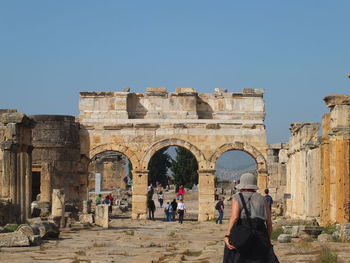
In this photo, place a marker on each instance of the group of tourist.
(171, 209)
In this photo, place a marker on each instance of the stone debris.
(14, 239)
(284, 238)
(324, 238)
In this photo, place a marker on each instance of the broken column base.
(101, 216)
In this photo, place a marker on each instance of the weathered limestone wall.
(277, 166)
(336, 184)
(304, 171)
(56, 155)
(111, 165)
(16, 163)
(139, 124)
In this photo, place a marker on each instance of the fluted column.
(9, 175)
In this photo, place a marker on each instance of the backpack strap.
(246, 210)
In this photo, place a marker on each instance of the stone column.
(58, 208)
(339, 145)
(139, 194)
(206, 192)
(22, 174)
(326, 180)
(46, 182)
(6, 147)
(9, 175)
(28, 181)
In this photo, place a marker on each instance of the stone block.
(284, 238)
(185, 90)
(101, 216)
(86, 218)
(313, 231)
(345, 232)
(46, 229)
(14, 239)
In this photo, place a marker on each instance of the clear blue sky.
(298, 51)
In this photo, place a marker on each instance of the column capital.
(336, 99)
(9, 146)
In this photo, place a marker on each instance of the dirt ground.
(130, 241)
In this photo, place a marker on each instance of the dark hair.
(266, 191)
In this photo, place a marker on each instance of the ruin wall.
(56, 156)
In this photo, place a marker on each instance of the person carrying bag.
(247, 239)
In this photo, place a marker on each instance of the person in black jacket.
(174, 205)
(151, 208)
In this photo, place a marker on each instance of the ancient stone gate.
(206, 124)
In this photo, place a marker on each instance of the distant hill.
(234, 174)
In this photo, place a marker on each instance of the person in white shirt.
(181, 209)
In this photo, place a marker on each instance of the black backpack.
(218, 205)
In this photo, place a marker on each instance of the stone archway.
(116, 148)
(252, 151)
(173, 142)
(205, 205)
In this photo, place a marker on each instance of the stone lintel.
(213, 126)
(86, 127)
(118, 127)
(188, 90)
(97, 94)
(156, 91)
(336, 99)
(179, 126)
(253, 91)
(147, 125)
(275, 146)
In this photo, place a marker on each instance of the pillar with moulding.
(339, 152)
(139, 194)
(206, 192)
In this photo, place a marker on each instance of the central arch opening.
(229, 168)
(173, 169)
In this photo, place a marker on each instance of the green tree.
(158, 167)
(184, 168)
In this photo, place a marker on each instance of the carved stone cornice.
(336, 99)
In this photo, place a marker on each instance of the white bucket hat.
(248, 181)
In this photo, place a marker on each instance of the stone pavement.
(129, 241)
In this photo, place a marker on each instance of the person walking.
(268, 198)
(160, 198)
(220, 207)
(168, 212)
(181, 209)
(151, 208)
(174, 206)
(250, 209)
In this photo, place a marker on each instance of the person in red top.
(110, 198)
(181, 192)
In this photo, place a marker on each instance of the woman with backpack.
(248, 234)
